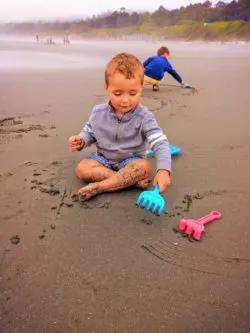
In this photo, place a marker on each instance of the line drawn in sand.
(11, 128)
(163, 102)
(186, 256)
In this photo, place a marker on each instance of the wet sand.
(106, 265)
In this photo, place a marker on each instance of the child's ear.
(105, 86)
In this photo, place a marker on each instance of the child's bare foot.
(89, 191)
(156, 87)
(143, 184)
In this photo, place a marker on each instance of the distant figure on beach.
(66, 40)
(50, 41)
(121, 129)
(156, 66)
(37, 38)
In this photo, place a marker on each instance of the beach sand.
(106, 265)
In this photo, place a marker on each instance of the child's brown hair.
(126, 64)
(162, 50)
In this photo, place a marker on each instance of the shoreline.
(142, 38)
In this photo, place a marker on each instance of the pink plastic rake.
(195, 228)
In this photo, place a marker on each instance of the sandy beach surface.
(106, 265)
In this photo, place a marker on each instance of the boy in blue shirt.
(156, 66)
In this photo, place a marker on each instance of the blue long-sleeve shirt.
(118, 137)
(156, 66)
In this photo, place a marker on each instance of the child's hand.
(76, 143)
(162, 178)
(186, 85)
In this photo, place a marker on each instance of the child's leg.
(154, 83)
(93, 171)
(133, 173)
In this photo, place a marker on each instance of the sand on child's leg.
(133, 173)
(93, 171)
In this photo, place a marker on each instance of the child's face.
(124, 93)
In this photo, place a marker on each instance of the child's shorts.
(151, 81)
(113, 166)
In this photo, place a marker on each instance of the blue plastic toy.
(152, 201)
(174, 150)
(187, 85)
(150, 152)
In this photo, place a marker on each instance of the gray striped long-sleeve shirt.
(119, 136)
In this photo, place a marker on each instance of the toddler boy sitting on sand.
(121, 130)
(156, 66)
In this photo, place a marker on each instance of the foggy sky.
(18, 10)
